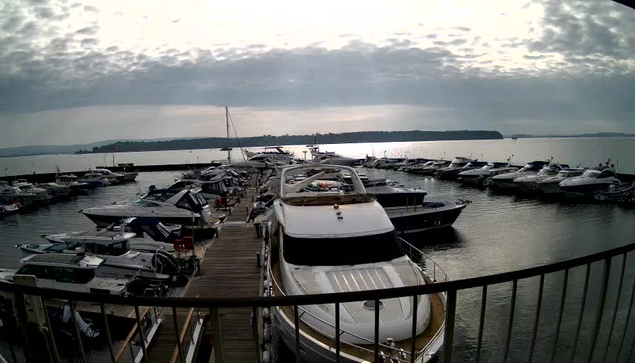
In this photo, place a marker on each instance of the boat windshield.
(342, 251)
(590, 174)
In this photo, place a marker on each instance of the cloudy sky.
(75, 72)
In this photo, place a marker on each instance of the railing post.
(337, 332)
(626, 325)
(254, 311)
(177, 332)
(598, 316)
(481, 324)
(450, 315)
(376, 340)
(296, 320)
(111, 349)
(219, 353)
(617, 305)
(49, 332)
(510, 326)
(541, 287)
(582, 305)
(413, 340)
(559, 324)
(22, 321)
(78, 335)
(141, 334)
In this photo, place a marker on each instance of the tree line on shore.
(269, 140)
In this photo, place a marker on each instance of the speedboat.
(479, 176)
(56, 190)
(590, 182)
(143, 234)
(551, 185)
(72, 181)
(615, 193)
(270, 153)
(453, 173)
(119, 260)
(529, 183)
(506, 180)
(414, 169)
(340, 240)
(432, 169)
(185, 207)
(8, 209)
(40, 194)
(11, 194)
(113, 178)
(67, 272)
(452, 170)
(94, 180)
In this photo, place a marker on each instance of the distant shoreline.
(268, 140)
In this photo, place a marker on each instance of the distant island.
(268, 140)
(597, 134)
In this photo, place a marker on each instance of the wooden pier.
(229, 269)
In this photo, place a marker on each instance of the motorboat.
(410, 213)
(426, 216)
(551, 185)
(479, 176)
(95, 180)
(529, 183)
(415, 169)
(8, 209)
(143, 234)
(453, 172)
(130, 176)
(431, 169)
(340, 240)
(113, 178)
(119, 260)
(615, 193)
(211, 190)
(185, 207)
(40, 194)
(10, 194)
(269, 153)
(66, 272)
(506, 180)
(590, 182)
(72, 181)
(56, 190)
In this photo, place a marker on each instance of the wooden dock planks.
(229, 270)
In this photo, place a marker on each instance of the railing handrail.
(328, 298)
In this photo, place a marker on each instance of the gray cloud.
(89, 30)
(91, 9)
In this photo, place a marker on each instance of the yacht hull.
(549, 188)
(429, 216)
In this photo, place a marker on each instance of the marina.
(233, 261)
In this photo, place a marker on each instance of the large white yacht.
(529, 183)
(186, 207)
(332, 240)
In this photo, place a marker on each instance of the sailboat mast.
(227, 122)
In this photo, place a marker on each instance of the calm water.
(495, 233)
(584, 151)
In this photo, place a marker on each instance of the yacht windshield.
(342, 251)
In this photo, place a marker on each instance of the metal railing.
(600, 318)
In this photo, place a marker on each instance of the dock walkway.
(229, 270)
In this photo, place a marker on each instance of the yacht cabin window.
(342, 251)
(59, 274)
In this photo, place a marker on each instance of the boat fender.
(265, 357)
(265, 314)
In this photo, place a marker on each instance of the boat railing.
(428, 265)
(604, 335)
